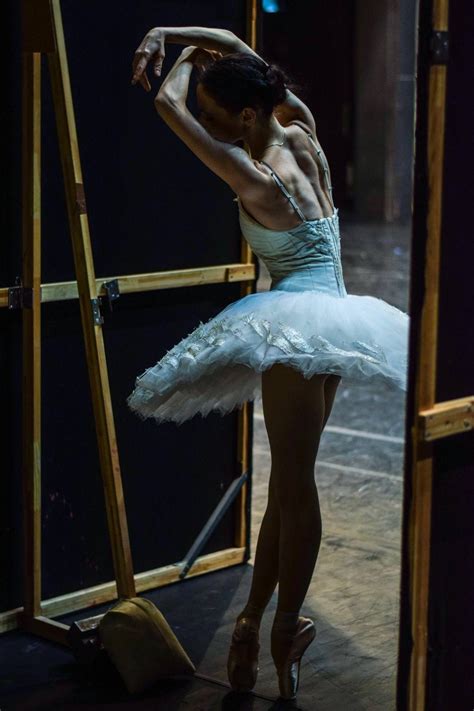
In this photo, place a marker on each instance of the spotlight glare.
(271, 6)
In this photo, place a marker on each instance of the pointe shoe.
(242, 663)
(289, 670)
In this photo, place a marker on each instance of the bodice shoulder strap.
(321, 157)
(285, 192)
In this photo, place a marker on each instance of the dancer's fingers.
(139, 69)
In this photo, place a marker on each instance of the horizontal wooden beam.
(446, 418)
(100, 594)
(172, 279)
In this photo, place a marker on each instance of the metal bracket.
(439, 47)
(211, 524)
(98, 318)
(19, 296)
(112, 291)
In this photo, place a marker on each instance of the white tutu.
(306, 320)
(218, 366)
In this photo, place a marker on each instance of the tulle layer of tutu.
(218, 366)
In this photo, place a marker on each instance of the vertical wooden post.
(93, 337)
(252, 16)
(425, 386)
(31, 378)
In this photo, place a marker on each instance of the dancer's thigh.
(293, 409)
(330, 387)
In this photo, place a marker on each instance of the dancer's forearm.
(176, 84)
(215, 38)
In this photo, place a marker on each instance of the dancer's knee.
(293, 487)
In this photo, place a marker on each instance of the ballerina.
(290, 345)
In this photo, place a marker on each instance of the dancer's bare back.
(298, 166)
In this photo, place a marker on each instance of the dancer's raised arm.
(152, 47)
(220, 40)
(228, 161)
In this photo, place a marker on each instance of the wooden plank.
(425, 382)
(148, 580)
(131, 283)
(447, 418)
(93, 336)
(31, 325)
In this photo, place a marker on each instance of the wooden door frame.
(427, 420)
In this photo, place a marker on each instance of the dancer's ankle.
(252, 612)
(285, 621)
(283, 630)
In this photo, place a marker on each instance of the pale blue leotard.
(307, 256)
(306, 321)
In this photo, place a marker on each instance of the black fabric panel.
(173, 476)
(456, 305)
(152, 205)
(10, 321)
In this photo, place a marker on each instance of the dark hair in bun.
(240, 79)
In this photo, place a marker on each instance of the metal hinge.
(19, 296)
(112, 291)
(98, 318)
(439, 47)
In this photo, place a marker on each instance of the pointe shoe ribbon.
(289, 670)
(242, 663)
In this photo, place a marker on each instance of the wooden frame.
(431, 420)
(43, 33)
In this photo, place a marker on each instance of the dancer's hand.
(199, 56)
(151, 47)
